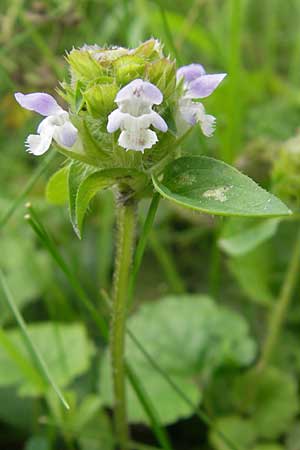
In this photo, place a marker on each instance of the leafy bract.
(187, 336)
(85, 182)
(213, 187)
(65, 349)
(57, 188)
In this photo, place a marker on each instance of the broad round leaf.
(240, 431)
(273, 403)
(210, 336)
(213, 187)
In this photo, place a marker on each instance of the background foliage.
(208, 292)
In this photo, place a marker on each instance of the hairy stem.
(278, 314)
(126, 221)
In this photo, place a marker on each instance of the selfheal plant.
(128, 113)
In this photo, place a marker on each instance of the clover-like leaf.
(270, 398)
(213, 187)
(210, 336)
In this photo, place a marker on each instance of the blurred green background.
(242, 265)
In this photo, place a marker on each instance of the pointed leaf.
(214, 187)
(57, 191)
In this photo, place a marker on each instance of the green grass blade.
(145, 401)
(36, 357)
(140, 249)
(168, 33)
(167, 264)
(31, 182)
(46, 240)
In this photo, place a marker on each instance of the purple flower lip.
(205, 85)
(190, 72)
(39, 102)
(198, 84)
(55, 126)
(140, 89)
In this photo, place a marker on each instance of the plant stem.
(126, 221)
(279, 312)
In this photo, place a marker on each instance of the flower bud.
(83, 66)
(127, 68)
(100, 99)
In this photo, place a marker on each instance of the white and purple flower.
(56, 125)
(135, 115)
(197, 85)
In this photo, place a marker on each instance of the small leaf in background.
(212, 337)
(241, 235)
(37, 442)
(85, 422)
(293, 437)
(65, 349)
(213, 187)
(269, 398)
(57, 190)
(26, 269)
(253, 271)
(268, 446)
(166, 402)
(239, 430)
(97, 434)
(18, 412)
